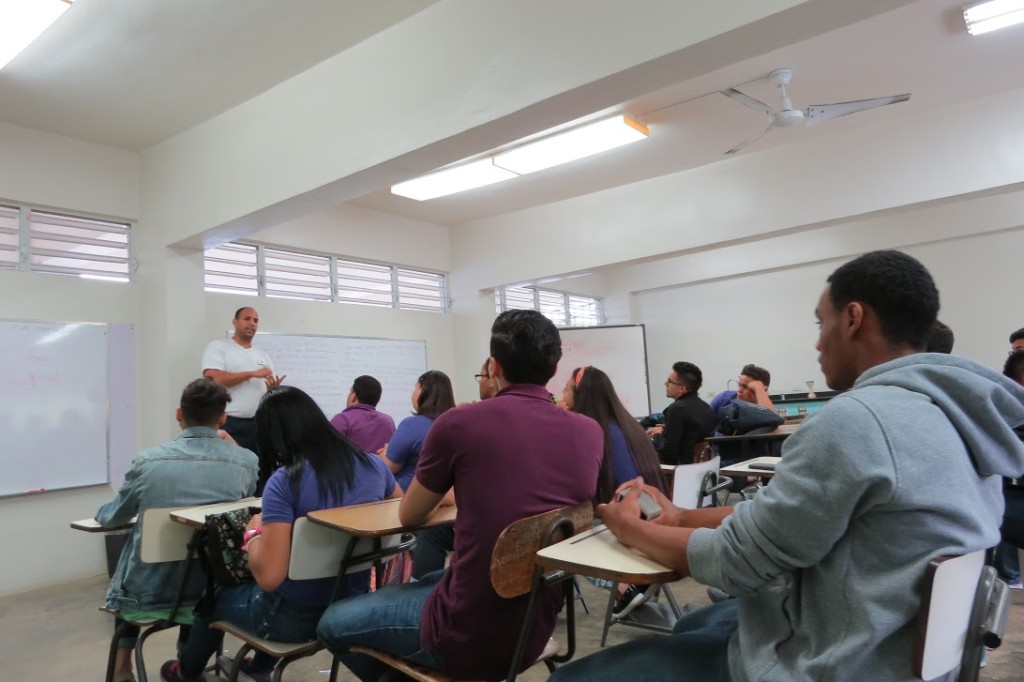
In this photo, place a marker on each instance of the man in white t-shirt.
(247, 373)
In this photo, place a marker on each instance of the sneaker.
(634, 596)
(170, 671)
(1017, 586)
(245, 671)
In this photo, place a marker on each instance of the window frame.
(384, 291)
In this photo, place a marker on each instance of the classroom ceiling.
(921, 48)
(130, 73)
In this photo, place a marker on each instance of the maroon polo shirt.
(368, 429)
(514, 456)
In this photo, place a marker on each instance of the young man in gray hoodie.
(827, 561)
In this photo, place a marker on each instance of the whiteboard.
(325, 367)
(53, 405)
(619, 352)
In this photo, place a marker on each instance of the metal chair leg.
(579, 594)
(115, 639)
(608, 613)
(140, 662)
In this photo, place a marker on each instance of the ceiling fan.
(786, 116)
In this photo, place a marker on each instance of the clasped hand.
(618, 515)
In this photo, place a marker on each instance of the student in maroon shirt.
(508, 458)
(360, 422)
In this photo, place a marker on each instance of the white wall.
(768, 318)
(347, 230)
(59, 173)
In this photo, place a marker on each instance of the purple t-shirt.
(368, 429)
(514, 456)
(404, 448)
(372, 482)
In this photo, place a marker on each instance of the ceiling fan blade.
(819, 113)
(747, 101)
(750, 140)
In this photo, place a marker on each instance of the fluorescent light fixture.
(992, 15)
(452, 180)
(559, 148)
(22, 21)
(577, 143)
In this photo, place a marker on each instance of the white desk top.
(93, 526)
(599, 554)
(743, 468)
(196, 516)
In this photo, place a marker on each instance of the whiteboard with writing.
(619, 352)
(53, 405)
(325, 367)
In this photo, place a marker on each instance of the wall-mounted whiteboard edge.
(397, 381)
(122, 400)
(618, 350)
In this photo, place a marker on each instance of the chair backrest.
(513, 558)
(317, 551)
(945, 617)
(688, 483)
(163, 539)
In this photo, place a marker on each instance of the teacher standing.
(247, 373)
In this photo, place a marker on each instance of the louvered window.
(421, 290)
(520, 298)
(232, 268)
(258, 270)
(565, 310)
(552, 306)
(584, 311)
(78, 246)
(365, 284)
(297, 275)
(9, 237)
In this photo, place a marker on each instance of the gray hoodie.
(828, 560)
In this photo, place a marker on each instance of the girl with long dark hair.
(320, 469)
(628, 453)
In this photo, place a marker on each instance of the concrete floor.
(58, 634)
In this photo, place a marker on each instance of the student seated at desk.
(827, 563)
(508, 458)
(197, 467)
(434, 544)
(628, 453)
(322, 470)
(360, 422)
(431, 397)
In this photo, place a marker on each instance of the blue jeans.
(387, 620)
(432, 547)
(265, 614)
(696, 651)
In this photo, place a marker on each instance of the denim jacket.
(195, 468)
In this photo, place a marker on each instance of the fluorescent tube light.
(996, 14)
(550, 151)
(572, 144)
(452, 180)
(22, 21)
